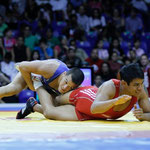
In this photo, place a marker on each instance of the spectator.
(45, 51)
(31, 12)
(106, 72)
(82, 18)
(143, 7)
(115, 47)
(9, 41)
(97, 21)
(126, 61)
(73, 30)
(52, 41)
(69, 11)
(133, 23)
(94, 61)
(139, 51)
(132, 56)
(102, 53)
(9, 73)
(21, 52)
(98, 81)
(31, 15)
(60, 50)
(118, 20)
(8, 66)
(41, 29)
(71, 60)
(30, 40)
(79, 51)
(46, 12)
(21, 5)
(13, 15)
(35, 55)
(59, 8)
(114, 64)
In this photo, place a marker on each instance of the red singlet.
(83, 97)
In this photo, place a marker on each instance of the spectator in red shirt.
(94, 61)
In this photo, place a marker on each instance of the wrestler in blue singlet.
(62, 68)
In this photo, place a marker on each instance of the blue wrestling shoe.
(31, 102)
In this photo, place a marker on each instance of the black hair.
(130, 72)
(32, 53)
(77, 75)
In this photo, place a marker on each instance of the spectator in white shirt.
(102, 53)
(8, 66)
(97, 21)
(138, 50)
(83, 19)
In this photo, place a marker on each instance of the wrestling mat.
(36, 132)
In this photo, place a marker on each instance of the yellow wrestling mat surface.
(36, 133)
(35, 124)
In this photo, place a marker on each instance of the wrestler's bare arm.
(44, 68)
(143, 113)
(104, 98)
(144, 102)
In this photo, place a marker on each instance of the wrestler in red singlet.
(82, 98)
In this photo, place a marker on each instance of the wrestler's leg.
(13, 88)
(63, 99)
(64, 112)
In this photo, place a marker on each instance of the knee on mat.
(49, 114)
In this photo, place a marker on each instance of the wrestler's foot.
(31, 102)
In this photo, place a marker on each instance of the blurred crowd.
(102, 34)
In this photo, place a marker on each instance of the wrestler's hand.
(138, 113)
(123, 99)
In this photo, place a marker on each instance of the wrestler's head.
(70, 80)
(132, 77)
